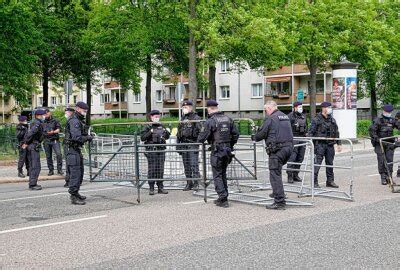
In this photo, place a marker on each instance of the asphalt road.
(178, 230)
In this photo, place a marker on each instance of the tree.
(19, 39)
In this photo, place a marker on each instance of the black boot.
(290, 178)
(80, 197)
(37, 187)
(276, 206)
(162, 191)
(195, 185)
(75, 200)
(331, 184)
(296, 177)
(189, 186)
(383, 179)
(50, 173)
(151, 192)
(59, 172)
(222, 203)
(316, 185)
(20, 174)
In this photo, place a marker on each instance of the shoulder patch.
(283, 117)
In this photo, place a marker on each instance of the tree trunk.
(45, 83)
(192, 58)
(212, 85)
(148, 85)
(312, 66)
(88, 99)
(374, 112)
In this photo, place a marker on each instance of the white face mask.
(387, 114)
(43, 117)
(185, 110)
(329, 111)
(156, 119)
(84, 114)
(300, 109)
(66, 115)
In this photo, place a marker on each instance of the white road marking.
(193, 202)
(376, 174)
(51, 224)
(55, 194)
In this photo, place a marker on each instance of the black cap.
(154, 112)
(212, 103)
(47, 110)
(388, 108)
(69, 109)
(398, 114)
(187, 103)
(22, 118)
(40, 112)
(82, 105)
(297, 103)
(326, 104)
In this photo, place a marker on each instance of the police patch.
(283, 117)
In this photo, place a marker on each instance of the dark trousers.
(389, 154)
(75, 169)
(297, 156)
(191, 163)
(66, 171)
(23, 159)
(49, 147)
(219, 165)
(327, 151)
(275, 164)
(155, 163)
(34, 163)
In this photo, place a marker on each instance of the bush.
(362, 128)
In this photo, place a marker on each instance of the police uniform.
(325, 127)
(33, 139)
(155, 134)
(66, 185)
(188, 133)
(22, 129)
(75, 137)
(298, 122)
(52, 143)
(220, 132)
(277, 133)
(381, 128)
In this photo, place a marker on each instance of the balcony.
(115, 106)
(288, 101)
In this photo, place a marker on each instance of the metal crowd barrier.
(391, 143)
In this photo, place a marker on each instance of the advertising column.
(344, 98)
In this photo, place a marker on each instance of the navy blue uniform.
(75, 137)
(33, 139)
(220, 131)
(22, 129)
(52, 143)
(277, 133)
(324, 127)
(381, 128)
(299, 125)
(155, 134)
(188, 133)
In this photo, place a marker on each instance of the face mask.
(185, 111)
(387, 114)
(156, 120)
(84, 114)
(329, 111)
(66, 115)
(300, 109)
(43, 118)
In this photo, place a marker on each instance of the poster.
(351, 92)
(338, 93)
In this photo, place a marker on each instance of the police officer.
(68, 114)
(155, 134)
(32, 142)
(324, 125)
(51, 131)
(277, 133)
(383, 127)
(188, 133)
(220, 131)
(298, 122)
(75, 137)
(22, 129)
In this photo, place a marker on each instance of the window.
(159, 96)
(278, 88)
(40, 101)
(256, 90)
(106, 97)
(117, 98)
(200, 94)
(320, 86)
(171, 92)
(137, 98)
(60, 100)
(75, 99)
(53, 100)
(101, 98)
(225, 92)
(224, 65)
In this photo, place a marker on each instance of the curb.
(8, 180)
